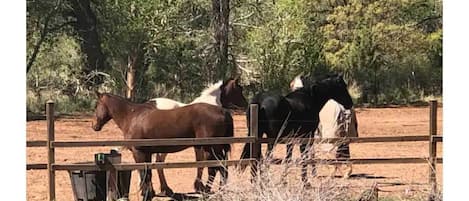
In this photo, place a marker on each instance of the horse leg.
(223, 170)
(224, 175)
(343, 151)
(304, 164)
(289, 152)
(145, 175)
(164, 188)
(199, 156)
(287, 161)
(212, 171)
(270, 146)
(314, 171)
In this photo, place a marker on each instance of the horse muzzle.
(95, 126)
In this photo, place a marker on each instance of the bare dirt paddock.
(372, 122)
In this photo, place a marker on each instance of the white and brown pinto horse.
(334, 121)
(227, 94)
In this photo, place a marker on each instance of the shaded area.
(367, 176)
(180, 197)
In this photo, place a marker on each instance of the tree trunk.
(42, 37)
(90, 42)
(135, 70)
(221, 14)
(131, 69)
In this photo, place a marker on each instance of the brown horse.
(144, 121)
(227, 94)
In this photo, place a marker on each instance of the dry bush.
(281, 182)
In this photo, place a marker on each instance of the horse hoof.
(203, 190)
(167, 192)
(148, 197)
(308, 186)
(347, 176)
(199, 187)
(284, 183)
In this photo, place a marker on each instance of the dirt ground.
(372, 122)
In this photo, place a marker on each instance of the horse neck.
(121, 112)
(321, 97)
(212, 98)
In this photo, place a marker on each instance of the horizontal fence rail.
(136, 166)
(36, 166)
(38, 143)
(43, 166)
(156, 142)
(347, 139)
(359, 161)
(228, 140)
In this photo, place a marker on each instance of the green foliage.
(389, 50)
(56, 77)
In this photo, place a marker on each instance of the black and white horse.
(297, 113)
(334, 121)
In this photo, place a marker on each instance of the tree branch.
(44, 32)
(58, 27)
(428, 19)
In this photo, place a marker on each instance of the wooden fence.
(51, 166)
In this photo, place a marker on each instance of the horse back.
(167, 104)
(215, 120)
(273, 110)
(195, 120)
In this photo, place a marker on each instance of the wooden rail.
(137, 166)
(36, 166)
(156, 142)
(362, 161)
(36, 143)
(228, 140)
(43, 166)
(413, 138)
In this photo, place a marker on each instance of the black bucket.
(88, 185)
(123, 178)
(91, 185)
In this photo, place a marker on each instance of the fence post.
(50, 149)
(253, 125)
(432, 148)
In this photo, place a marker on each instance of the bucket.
(88, 185)
(100, 185)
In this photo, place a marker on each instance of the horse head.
(334, 87)
(102, 115)
(232, 94)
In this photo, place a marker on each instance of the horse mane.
(116, 96)
(149, 104)
(212, 88)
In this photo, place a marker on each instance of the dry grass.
(283, 182)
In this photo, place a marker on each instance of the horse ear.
(235, 78)
(98, 94)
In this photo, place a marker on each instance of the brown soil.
(372, 122)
